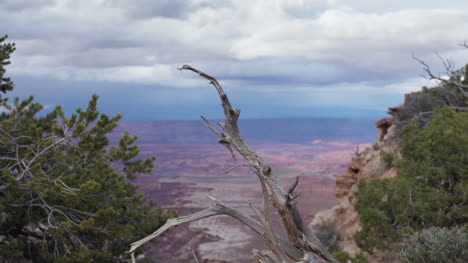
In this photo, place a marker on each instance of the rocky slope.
(367, 164)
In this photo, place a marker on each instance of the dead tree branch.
(449, 71)
(194, 255)
(465, 44)
(301, 242)
(217, 209)
(237, 166)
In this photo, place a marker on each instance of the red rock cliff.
(366, 164)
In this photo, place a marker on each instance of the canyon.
(191, 165)
(366, 165)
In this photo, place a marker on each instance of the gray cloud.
(177, 9)
(149, 8)
(335, 45)
(21, 5)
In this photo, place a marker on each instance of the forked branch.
(449, 71)
(217, 209)
(301, 244)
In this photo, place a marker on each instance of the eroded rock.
(366, 165)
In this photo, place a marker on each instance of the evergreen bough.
(64, 192)
(429, 190)
(436, 245)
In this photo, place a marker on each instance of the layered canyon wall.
(367, 164)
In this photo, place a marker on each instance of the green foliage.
(64, 191)
(379, 202)
(419, 105)
(345, 257)
(429, 190)
(389, 158)
(436, 245)
(5, 51)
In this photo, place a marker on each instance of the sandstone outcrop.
(367, 164)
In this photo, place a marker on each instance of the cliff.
(366, 164)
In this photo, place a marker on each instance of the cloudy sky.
(275, 58)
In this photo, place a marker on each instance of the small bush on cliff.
(429, 190)
(390, 159)
(420, 105)
(436, 245)
(63, 192)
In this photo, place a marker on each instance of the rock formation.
(367, 164)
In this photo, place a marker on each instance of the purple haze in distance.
(190, 164)
(254, 131)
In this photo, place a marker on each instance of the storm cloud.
(307, 48)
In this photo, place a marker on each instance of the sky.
(274, 58)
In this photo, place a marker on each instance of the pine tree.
(64, 193)
(429, 190)
(5, 51)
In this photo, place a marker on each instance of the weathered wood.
(448, 65)
(302, 245)
(217, 209)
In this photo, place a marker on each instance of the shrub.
(417, 103)
(419, 106)
(389, 158)
(64, 194)
(436, 245)
(429, 190)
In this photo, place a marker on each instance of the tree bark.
(301, 244)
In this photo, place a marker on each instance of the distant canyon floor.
(187, 170)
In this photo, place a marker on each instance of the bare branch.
(194, 256)
(309, 258)
(293, 186)
(211, 127)
(301, 239)
(262, 256)
(269, 236)
(222, 138)
(298, 232)
(292, 197)
(449, 71)
(239, 165)
(217, 209)
(448, 64)
(465, 44)
(214, 82)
